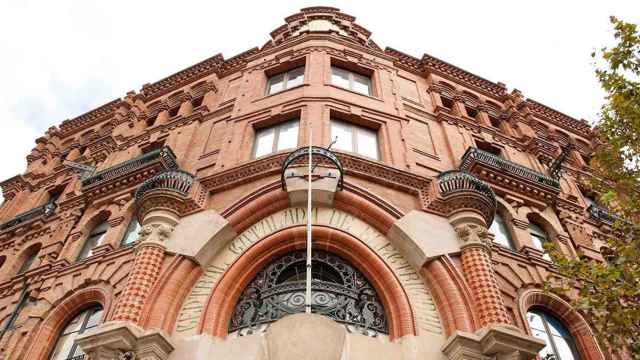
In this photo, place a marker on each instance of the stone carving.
(155, 232)
(471, 234)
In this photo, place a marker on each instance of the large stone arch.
(61, 313)
(224, 297)
(575, 323)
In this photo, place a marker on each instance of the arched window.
(339, 291)
(95, 238)
(131, 235)
(560, 344)
(27, 263)
(65, 349)
(502, 235)
(539, 238)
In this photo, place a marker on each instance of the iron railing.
(45, 210)
(601, 214)
(164, 155)
(173, 180)
(453, 181)
(476, 155)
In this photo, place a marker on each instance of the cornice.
(566, 122)
(72, 126)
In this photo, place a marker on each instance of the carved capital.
(473, 234)
(157, 233)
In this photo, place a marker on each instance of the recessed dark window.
(495, 122)
(485, 146)
(446, 102)
(174, 111)
(152, 120)
(471, 112)
(197, 101)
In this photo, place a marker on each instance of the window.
(65, 348)
(27, 263)
(351, 80)
(174, 111)
(197, 101)
(539, 238)
(488, 147)
(471, 112)
(446, 102)
(95, 238)
(494, 121)
(285, 80)
(131, 235)
(275, 138)
(560, 344)
(340, 292)
(502, 235)
(354, 138)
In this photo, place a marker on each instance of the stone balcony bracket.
(498, 342)
(463, 198)
(171, 195)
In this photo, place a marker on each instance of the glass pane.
(88, 246)
(367, 142)
(296, 77)
(131, 235)
(339, 77)
(547, 351)
(264, 142)
(499, 229)
(27, 263)
(341, 132)
(564, 349)
(556, 327)
(535, 321)
(74, 324)
(94, 319)
(63, 347)
(276, 83)
(100, 228)
(288, 136)
(537, 230)
(362, 84)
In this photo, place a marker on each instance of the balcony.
(132, 170)
(45, 211)
(509, 176)
(175, 180)
(464, 191)
(601, 214)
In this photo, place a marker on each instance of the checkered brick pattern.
(476, 265)
(144, 274)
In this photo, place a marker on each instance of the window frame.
(355, 128)
(127, 232)
(351, 77)
(276, 137)
(93, 234)
(285, 79)
(543, 239)
(544, 316)
(86, 315)
(510, 243)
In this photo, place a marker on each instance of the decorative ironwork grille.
(339, 291)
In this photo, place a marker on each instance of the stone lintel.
(492, 342)
(115, 338)
(422, 236)
(323, 187)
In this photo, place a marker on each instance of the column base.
(123, 340)
(492, 342)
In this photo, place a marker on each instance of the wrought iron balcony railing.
(453, 181)
(479, 156)
(45, 210)
(174, 180)
(164, 155)
(601, 214)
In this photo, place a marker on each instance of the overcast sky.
(59, 59)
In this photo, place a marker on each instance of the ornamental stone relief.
(425, 313)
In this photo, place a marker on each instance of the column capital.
(471, 234)
(492, 342)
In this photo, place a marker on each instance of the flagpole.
(309, 170)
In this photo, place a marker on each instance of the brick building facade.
(428, 225)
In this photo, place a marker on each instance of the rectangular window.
(275, 138)
(285, 80)
(131, 235)
(354, 138)
(351, 80)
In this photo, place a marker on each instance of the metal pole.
(308, 288)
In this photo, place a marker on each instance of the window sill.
(281, 92)
(354, 92)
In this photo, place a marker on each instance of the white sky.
(59, 59)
